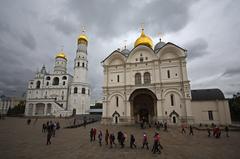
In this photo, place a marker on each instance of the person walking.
(123, 138)
(156, 145)
(209, 132)
(227, 130)
(29, 121)
(100, 138)
(132, 141)
(94, 134)
(112, 140)
(165, 126)
(49, 134)
(190, 130)
(43, 128)
(183, 129)
(145, 141)
(119, 137)
(106, 137)
(91, 135)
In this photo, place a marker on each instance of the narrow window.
(168, 73)
(47, 83)
(64, 83)
(83, 65)
(117, 78)
(146, 77)
(38, 84)
(75, 90)
(172, 99)
(117, 101)
(83, 90)
(78, 64)
(210, 115)
(138, 79)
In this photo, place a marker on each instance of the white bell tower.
(80, 91)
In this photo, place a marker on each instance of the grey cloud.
(232, 72)
(63, 25)
(112, 18)
(197, 48)
(28, 40)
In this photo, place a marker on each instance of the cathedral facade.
(150, 83)
(60, 93)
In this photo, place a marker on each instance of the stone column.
(45, 110)
(34, 110)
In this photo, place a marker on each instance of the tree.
(234, 104)
(17, 110)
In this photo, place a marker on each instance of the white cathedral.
(151, 83)
(59, 93)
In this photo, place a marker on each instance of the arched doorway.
(74, 112)
(143, 105)
(116, 116)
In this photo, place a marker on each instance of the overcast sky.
(32, 32)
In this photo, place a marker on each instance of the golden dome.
(82, 39)
(61, 55)
(143, 40)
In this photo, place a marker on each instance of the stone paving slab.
(19, 140)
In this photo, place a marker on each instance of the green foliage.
(234, 104)
(17, 110)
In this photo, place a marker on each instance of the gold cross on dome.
(125, 44)
(142, 26)
(83, 29)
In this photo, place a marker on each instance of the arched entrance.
(74, 112)
(143, 105)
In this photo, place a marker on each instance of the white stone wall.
(220, 109)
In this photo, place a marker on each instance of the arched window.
(55, 81)
(83, 90)
(78, 64)
(64, 83)
(64, 77)
(138, 78)
(75, 90)
(172, 99)
(83, 65)
(147, 78)
(48, 78)
(47, 83)
(38, 84)
(117, 101)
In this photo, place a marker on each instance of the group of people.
(217, 131)
(183, 126)
(158, 125)
(122, 137)
(50, 127)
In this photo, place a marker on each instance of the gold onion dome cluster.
(143, 40)
(61, 55)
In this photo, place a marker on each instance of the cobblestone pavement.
(19, 140)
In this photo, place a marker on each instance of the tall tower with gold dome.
(80, 91)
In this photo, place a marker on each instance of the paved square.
(19, 140)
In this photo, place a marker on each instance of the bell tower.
(79, 99)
